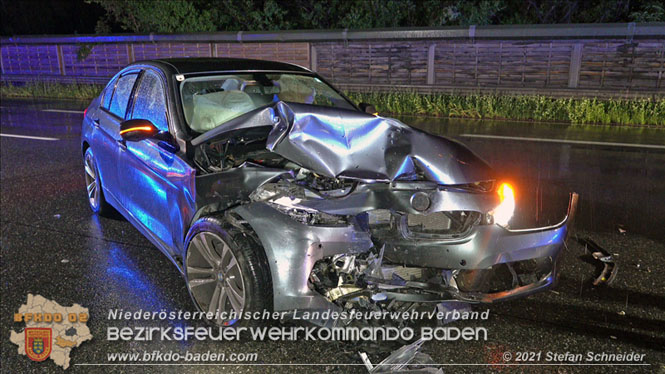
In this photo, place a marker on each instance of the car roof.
(190, 65)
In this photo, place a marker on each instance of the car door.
(106, 136)
(144, 166)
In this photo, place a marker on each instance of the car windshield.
(213, 100)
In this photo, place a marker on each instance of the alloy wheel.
(214, 276)
(91, 180)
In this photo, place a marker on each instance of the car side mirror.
(368, 108)
(137, 129)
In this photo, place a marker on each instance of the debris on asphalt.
(64, 261)
(407, 359)
(57, 216)
(610, 268)
(621, 313)
(622, 229)
(447, 307)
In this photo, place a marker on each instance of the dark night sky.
(21, 17)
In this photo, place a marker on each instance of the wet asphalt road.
(52, 245)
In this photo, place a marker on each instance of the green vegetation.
(537, 108)
(145, 16)
(254, 15)
(51, 90)
(525, 107)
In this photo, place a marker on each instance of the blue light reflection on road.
(123, 278)
(144, 292)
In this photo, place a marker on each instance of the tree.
(154, 16)
(234, 15)
(171, 16)
(267, 15)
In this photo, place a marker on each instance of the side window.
(121, 95)
(108, 93)
(150, 101)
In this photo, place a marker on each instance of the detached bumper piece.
(407, 359)
(610, 268)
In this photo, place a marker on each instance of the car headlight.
(306, 216)
(504, 211)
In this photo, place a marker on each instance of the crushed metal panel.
(218, 191)
(304, 179)
(343, 143)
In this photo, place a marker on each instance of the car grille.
(451, 224)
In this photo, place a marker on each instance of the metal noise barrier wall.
(600, 60)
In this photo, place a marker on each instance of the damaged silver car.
(269, 189)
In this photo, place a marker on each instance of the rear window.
(121, 94)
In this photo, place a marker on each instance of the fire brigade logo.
(51, 331)
(38, 343)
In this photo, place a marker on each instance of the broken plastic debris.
(64, 260)
(609, 272)
(379, 296)
(407, 359)
(56, 216)
(447, 307)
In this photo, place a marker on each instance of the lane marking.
(563, 141)
(28, 137)
(62, 111)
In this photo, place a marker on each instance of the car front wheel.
(93, 185)
(227, 272)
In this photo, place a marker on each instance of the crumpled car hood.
(343, 143)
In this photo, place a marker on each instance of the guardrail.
(563, 60)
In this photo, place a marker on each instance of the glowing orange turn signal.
(138, 128)
(504, 212)
(506, 192)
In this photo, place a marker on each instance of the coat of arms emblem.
(38, 343)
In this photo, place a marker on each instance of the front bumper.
(490, 249)
(293, 248)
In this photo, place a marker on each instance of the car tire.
(214, 282)
(93, 183)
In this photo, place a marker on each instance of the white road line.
(563, 141)
(28, 137)
(62, 111)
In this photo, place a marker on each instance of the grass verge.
(76, 91)
(525, 107)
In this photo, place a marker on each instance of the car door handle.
(121, 143)
(95, 122)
